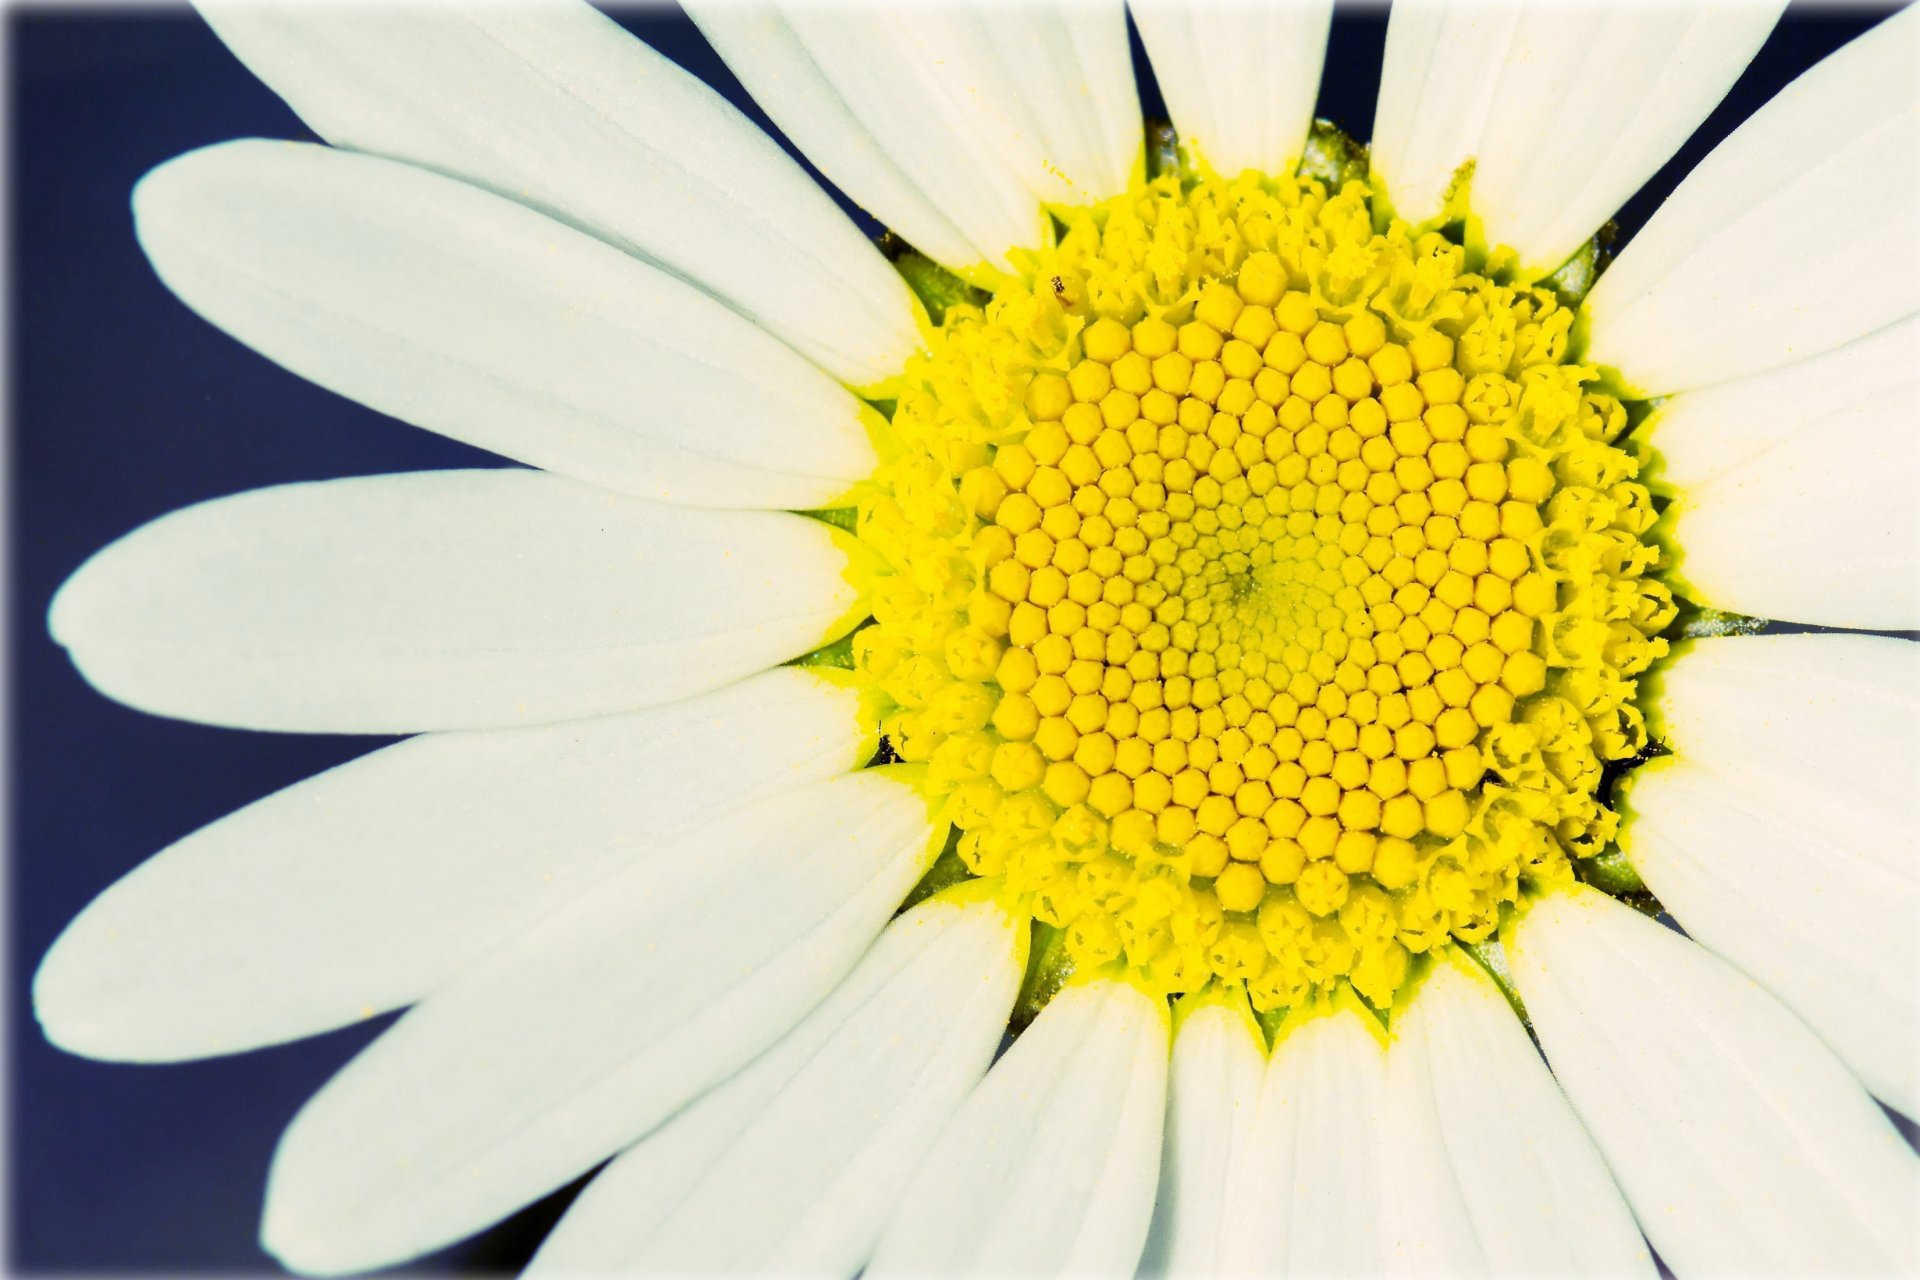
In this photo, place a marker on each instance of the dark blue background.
(127, 406)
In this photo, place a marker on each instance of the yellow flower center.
(1264, 589)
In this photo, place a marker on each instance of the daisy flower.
(1098, 733)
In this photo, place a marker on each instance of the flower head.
(1266, 592)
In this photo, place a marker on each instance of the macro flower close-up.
(1222, 697)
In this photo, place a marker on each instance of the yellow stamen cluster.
(1266, 591)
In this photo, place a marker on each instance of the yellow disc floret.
(1266, 590)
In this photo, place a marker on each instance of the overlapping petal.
(1049, 1166)
(1704, 434)
(554, 105)
(1213, 1094)
(1307, 1185)
(1742, 1143)
(444, 600)
(1563, 111)
(473, 316)
(595, 1025)
(950, 123)
(1794, 488)
(373, 884)
(1493, 1173)
(1784, 831)
(1240, 79)
(791, 1166)
(769, 58)
(1795, 236)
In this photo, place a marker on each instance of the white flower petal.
(1565, 112)
(444, 600)
(1219, 1060)
(1308, 1191)
(1067, 71)
(979, 114)
(1762, 882)
(369, 886)
(554, 105)
(1789, 708)
(473, 316)
(1704, 434)
(591, 1028)
(1592, 102)
(1437, 84)
(1818, 524)
(1795, 236)
(1240, 79)
(768, 58)
(791, 1167)
(1742, 1143)
(874, 63)
(1049, 1166)
(1784, 831)
(1495, 1174)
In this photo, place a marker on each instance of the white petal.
(443, 600)
(476, 317)
(1564, 111)
(1496, 1175)
(1795, 236)
(877, 70)
(979, 114)
(1789, 708)
(1308, 1188)
(554, 105)
(594, 1026)
(1742, 1143)
(1049, 1167)
(776, 68)
(1818, 523)
(369, 886)
(1067, 73)
(1240, 79)
(791, 1167)
(1437, 84)
(1784, 831)
(1703, 434)
(1219, 1059)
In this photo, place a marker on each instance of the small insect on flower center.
(1266, 590)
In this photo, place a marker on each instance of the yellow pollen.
(1266, 590)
